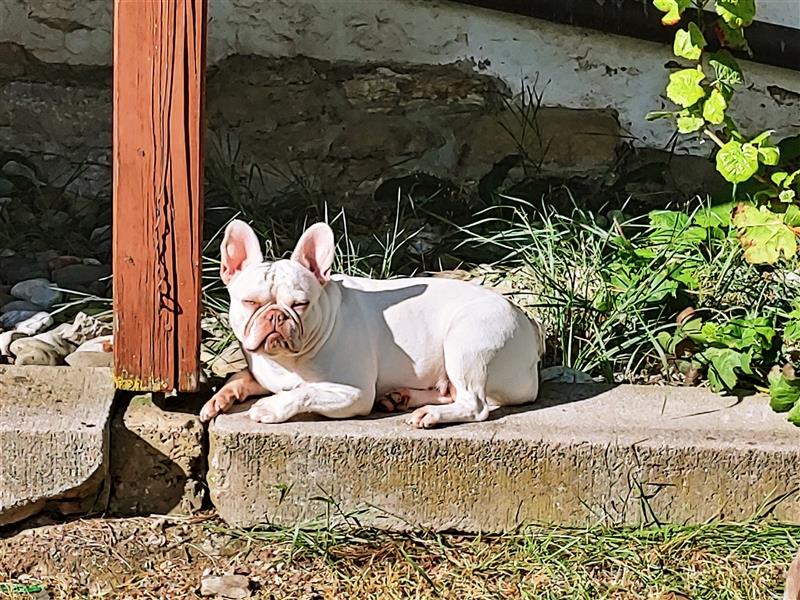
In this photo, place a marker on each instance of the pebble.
(227, 586)
(84, 328)
(33, 351)
(6, 187)
(33, 324)
(5, 341)
(14, 318)
(93, 353)
(76, 276)
(20, 305)
(89, 358)
(15, 169)
(39, 291)
(59, 262)
(16, 268)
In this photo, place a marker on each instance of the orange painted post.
(159, 94)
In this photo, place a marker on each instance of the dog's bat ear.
(315, 251)
(792, 589)
(239, 250)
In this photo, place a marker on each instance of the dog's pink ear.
(239, 249)
(315, 251)
(792, 589)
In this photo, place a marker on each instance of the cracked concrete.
(54, 440)
(583, 454)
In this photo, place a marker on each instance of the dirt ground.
(161, 557)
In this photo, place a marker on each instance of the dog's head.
(274, 305)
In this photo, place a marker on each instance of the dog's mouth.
(273, 329)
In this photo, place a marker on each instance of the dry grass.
(166, 558)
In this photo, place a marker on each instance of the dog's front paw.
(268, 410)
(220, 402)
(424, 417)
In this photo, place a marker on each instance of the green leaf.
(684, 87)
(737, 13)
(731, 37)
(787, 196)
(783, 391)
(668, 219)
(794, 415)
(737, 162)
(791, 331)
(689, 124)
(777, 178)
(789, 181)
(723, 366)
(673, 9)
(768, 153)
(763, 234)
(726, 69)
(714, 107)
(792, 216)
(714, 216)
(689, 44)
(763, 138)
(659, 114)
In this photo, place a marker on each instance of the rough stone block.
(582, 454)
(53, 440)
(157, 457)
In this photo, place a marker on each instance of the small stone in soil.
(34, 323)
(59, 262)
(227, 586)
(39, 291)
(77, 276)
(15, 317)
(16, 268)
(5, 341)
(90, 359)
(20, 305)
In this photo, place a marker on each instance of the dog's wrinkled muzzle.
(270, 327)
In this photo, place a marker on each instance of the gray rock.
(15, 169)
(5, 341)
(93, 353)
(78, 277)
(20, 305)
(34, 323)
(85, 328)
(15, 317)
(39, 291)
(6, 187)
(5, 200)
(6, 252)
(227, 586)
(90, 358)
(33, 351)
(16, 268)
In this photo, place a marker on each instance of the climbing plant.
(765, 194)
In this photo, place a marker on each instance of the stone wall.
(340, 97)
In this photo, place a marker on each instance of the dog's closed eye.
(250, 303)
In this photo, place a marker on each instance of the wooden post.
(159, 93)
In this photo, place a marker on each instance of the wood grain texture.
(159, 94)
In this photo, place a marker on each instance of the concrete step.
(53, 439)
(582, 454)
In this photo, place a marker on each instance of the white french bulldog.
(333, 345)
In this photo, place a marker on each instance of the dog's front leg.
(238, 388)
(328, 399)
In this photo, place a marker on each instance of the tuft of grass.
(714, 560)
(607, 286)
